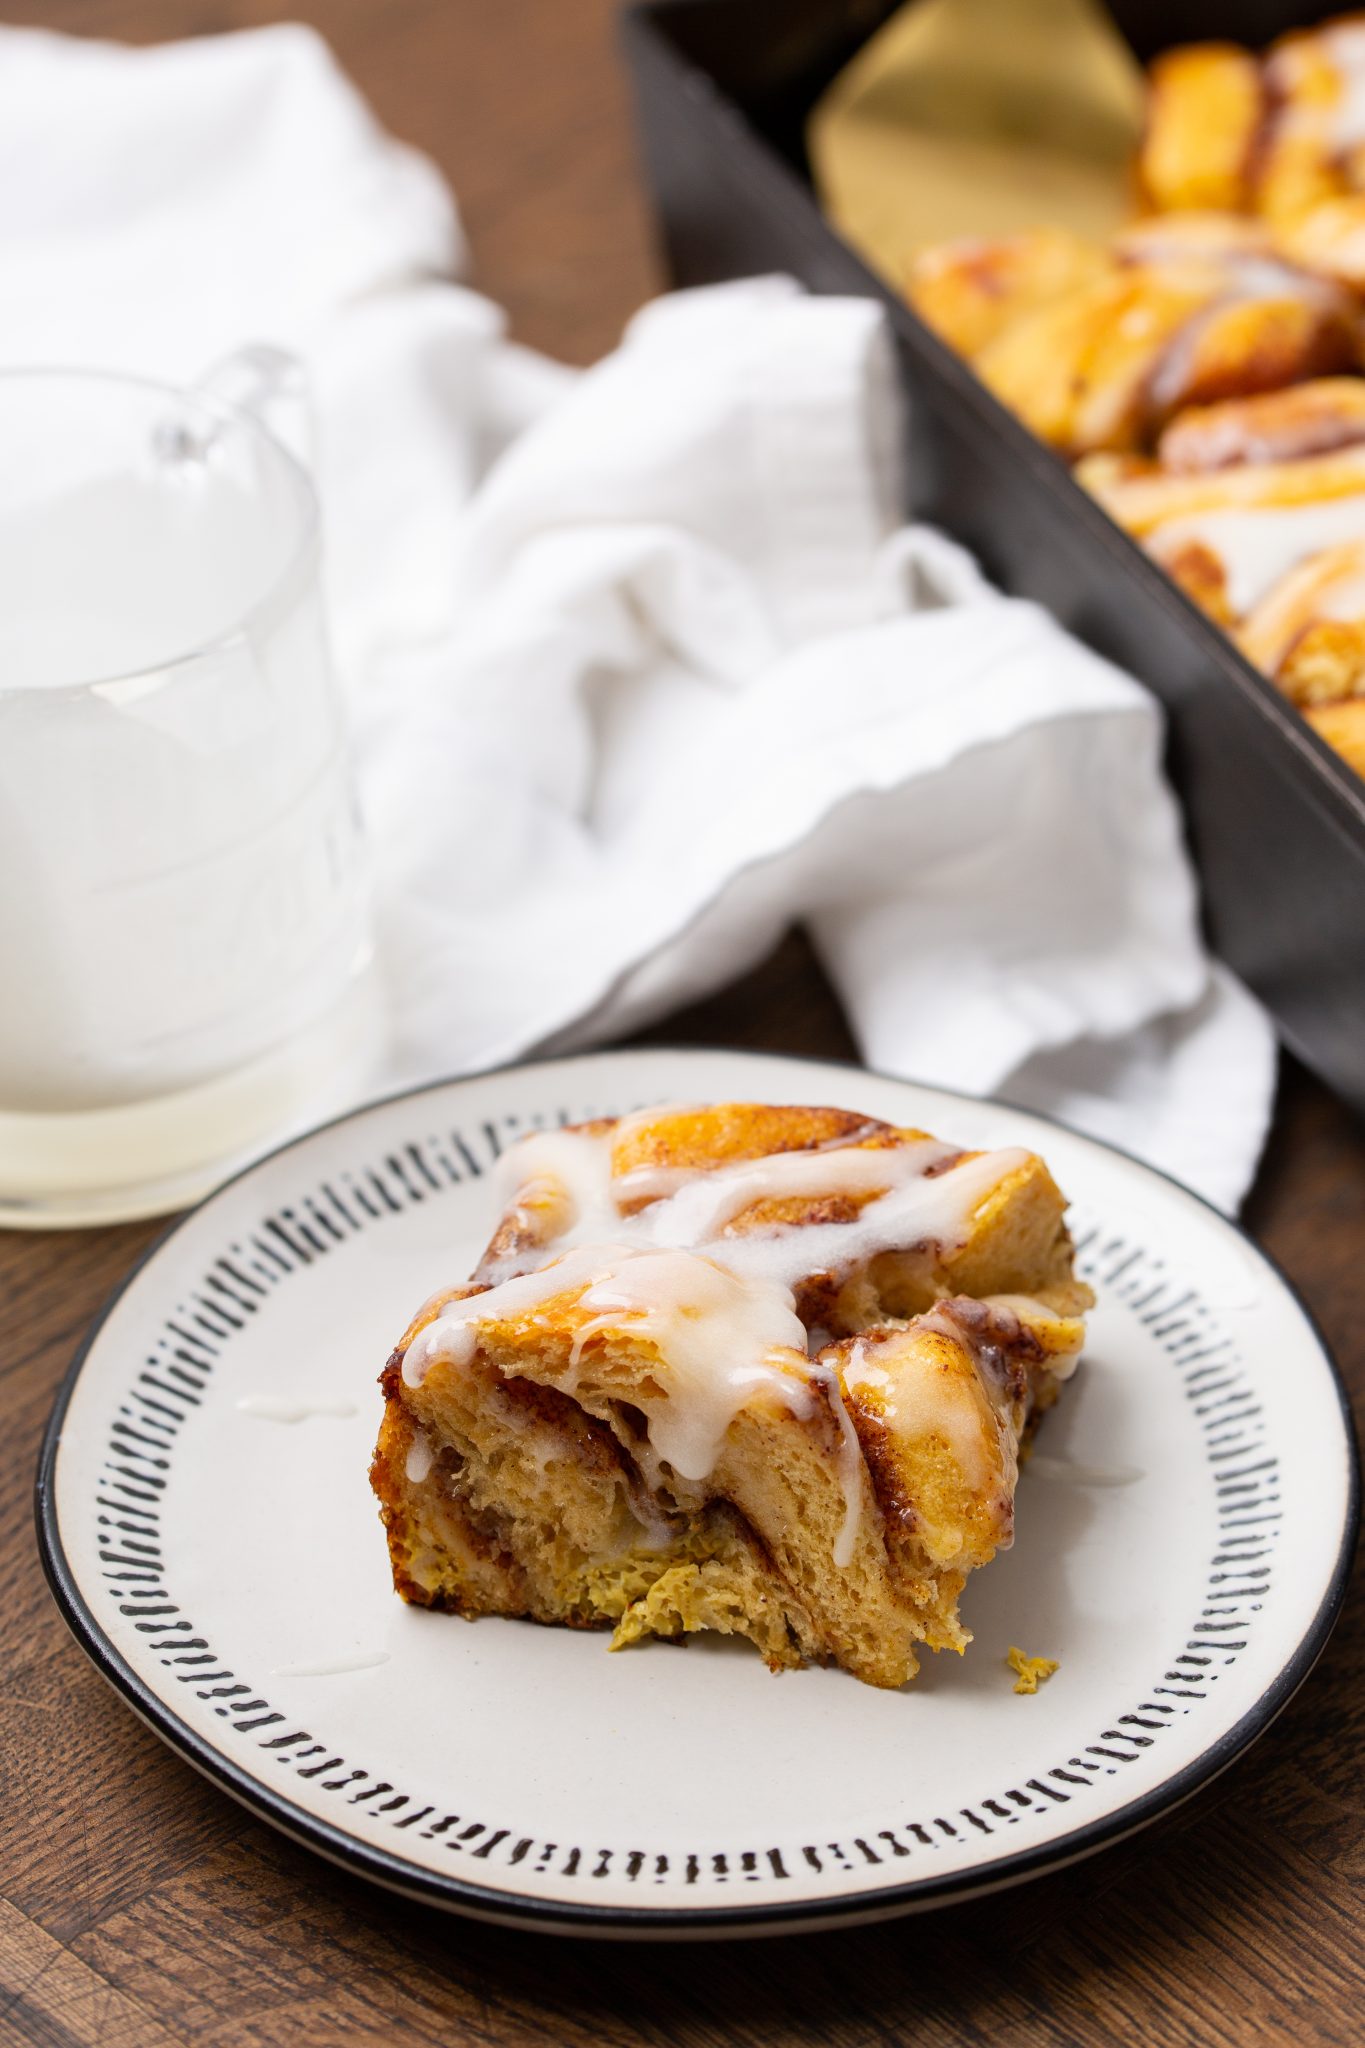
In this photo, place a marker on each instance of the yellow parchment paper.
(979, 117)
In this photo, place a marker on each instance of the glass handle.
(269, 384)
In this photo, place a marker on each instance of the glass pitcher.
(184, 955)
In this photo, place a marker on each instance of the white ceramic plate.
(1183, 1537)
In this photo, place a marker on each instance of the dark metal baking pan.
(1276, 820)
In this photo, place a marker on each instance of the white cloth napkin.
(641, 669)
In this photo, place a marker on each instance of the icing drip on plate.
(279, 1408)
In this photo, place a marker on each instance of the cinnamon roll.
(743, 1368)
(1097, 349)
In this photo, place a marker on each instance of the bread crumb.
(1031, 1671)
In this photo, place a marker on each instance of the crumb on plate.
(1031, 1672)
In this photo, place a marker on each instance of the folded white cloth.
(641, 669)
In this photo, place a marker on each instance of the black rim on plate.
(566, 1916)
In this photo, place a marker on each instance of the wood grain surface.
(139, 1907)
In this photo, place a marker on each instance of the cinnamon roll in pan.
(1202, 368)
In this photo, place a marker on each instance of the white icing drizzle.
(1251, 275)
(701, 1207)
(919, 1402)
(1257, 544)
(1343, 600)
(1346, 45)
(919, 1211)
(275, 1408)
(1167, 382)
(420, 1458)
(574, 1163)
(849, 1464)
(365, 1660)
(450, 1336)
(915, 1209)
(575, 1166)
(700, 1317)
(719, 1309)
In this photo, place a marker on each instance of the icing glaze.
(930, 1194)
(1346, 45)
(702, 1206)
(1257, 544)
(450, 1336)
(1251, 275)
(849, 1464)
(1343, 600)
(721, 1337)
(919, 1400)
(717, 1305)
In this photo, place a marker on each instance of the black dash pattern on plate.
(176, 1378)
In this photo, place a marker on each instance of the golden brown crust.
(1079, 371)
(1298, 162)
(969, 292)
(1306, 631)
(1325, 664)
(1329, 239)
(1203, 576)
(1176, 314)
(691, 1139)
(1020, 1235)
(1251, 345)
(1204, 116)
(1145, 502)
(724, 1134)
(1314, 418)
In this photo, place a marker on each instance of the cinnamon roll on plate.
(761, 1370)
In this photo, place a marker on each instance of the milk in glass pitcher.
(184, 957)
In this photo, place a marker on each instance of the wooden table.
(142, 1908)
